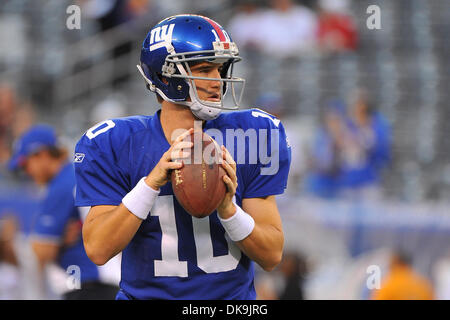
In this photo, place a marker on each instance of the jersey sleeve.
(270, 173)
(56, 209)
(101, 167)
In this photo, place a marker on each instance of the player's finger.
(173, 151)
(173, 165)
(180, 155)
(230, 171)
(231, 188)
(183, 135)
(228, 158)
(218, 153)
(182, 145)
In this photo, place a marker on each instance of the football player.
(56, 231)
(123, 167)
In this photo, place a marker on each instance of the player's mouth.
(214, 97)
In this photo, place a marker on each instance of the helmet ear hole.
(162, 78)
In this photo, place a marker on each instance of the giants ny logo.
(161, 36)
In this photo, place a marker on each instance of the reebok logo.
(78, 158)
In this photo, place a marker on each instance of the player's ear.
(163, 79)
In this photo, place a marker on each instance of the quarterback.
(123, 174)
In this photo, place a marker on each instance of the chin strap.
(200, 110)
(205, 113)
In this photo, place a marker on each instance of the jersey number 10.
(170, 265)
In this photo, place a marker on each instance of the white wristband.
(140, 199)
(238, 226)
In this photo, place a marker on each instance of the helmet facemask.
(204, 109)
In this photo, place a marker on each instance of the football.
(198, 185)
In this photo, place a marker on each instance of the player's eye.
(202, 70)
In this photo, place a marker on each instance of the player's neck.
(174, 117)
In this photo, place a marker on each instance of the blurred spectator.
(336, 28)
(137, 8)
(8, 106)
(24, 117)
(8, 230)
(403, 282)
(108, 13)
(349, 151)
(56, 232)
(324, 164)
(15, 117)
(286, 29)
(293, 269)
(9, 271)
(244, 25)
(365, 149)
(287, 283)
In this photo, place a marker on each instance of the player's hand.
(226, 208)
(170, 160)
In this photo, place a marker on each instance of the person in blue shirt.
(367, 149)
(56, 229)
(123, 167)
(324, 167)
(350, 151)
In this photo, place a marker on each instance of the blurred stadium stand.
(405, 65)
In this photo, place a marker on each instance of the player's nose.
(215, 83)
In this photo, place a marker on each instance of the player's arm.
(47, 249)
(8, 230)
(107, 230)
(264, 244)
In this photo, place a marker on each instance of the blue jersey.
(174, 255)
(57, 209)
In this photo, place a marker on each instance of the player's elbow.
(96, 254)
(97, 257)
(271, 261)
(272, 257)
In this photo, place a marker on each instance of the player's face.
(208, 90)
